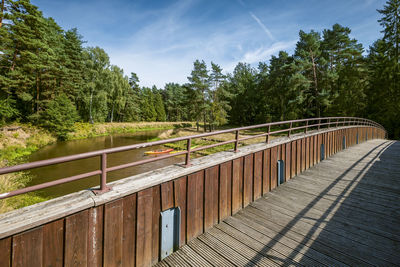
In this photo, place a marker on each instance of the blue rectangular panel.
(344, 142)
(170, 231)
(357, 139)
(281, 172)
(322, 152)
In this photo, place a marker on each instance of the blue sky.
(159, 40)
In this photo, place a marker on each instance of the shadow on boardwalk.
(344, 211)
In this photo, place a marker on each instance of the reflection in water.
(50, 173)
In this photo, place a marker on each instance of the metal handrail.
(328, 121)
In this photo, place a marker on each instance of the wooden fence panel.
(129, 233)
(53, 243)
(225, 190)
(274, 171)
(5, 252)
(144, 229)
(180, 201)
(76, 236)
(95, 238)
(167, 195)
(210, 197)
(195, 197)
(293, 159)
(156, 224)
(27, 248)
(113, 230)
(237, 185)
(257, 181)
(266, 171)
(248, 180)
(287, 161)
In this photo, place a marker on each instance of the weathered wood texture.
(126, 231)
(342, 212)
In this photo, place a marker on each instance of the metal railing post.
(337, 122)
(269, 129)
(187, 160)
(103, 176)
(236, 141)
(329, 123)
(307, 127)
(290, 129)
(319, 124)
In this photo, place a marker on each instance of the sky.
(160, 39)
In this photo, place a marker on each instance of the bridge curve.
(341, 212)
(124, 225)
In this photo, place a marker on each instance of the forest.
(49, 78)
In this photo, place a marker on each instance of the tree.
(311, 67)
(59, 116)
(175, 102)
(199, 82)
(219, 96)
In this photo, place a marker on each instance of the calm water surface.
(50, 173)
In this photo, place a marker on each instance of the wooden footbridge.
(326, 194)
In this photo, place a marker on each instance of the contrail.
(269, 34)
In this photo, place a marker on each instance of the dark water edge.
(59, 149)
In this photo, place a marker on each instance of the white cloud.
(265, 29)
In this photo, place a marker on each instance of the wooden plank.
(192, 257)
(266, 171)
(129, 233)
(76, 233)
(288, 161)
(237, 185)
(311, 151)
(95, 236)
(180, 201)
(167, 195)
(27, 248)
(307, 152)
(156, 224)
(298, 156)
(293, 162)
(274, 171)
(248, 180)
(210, 197)
(315, 149)
(195, 197)
(113, 229)
(144, 230)
(208, 253)
(303, 154)
(319, 142)
(225, 188)
(53, 243)
(5, 252)
(257, 180)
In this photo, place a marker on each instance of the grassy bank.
(16, 143)
(87, 130)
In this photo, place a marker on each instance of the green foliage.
(60, 116)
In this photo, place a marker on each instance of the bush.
(59, 116)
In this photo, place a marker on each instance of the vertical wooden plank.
(76, 233)
(95, 236)
(303, 154)
(144, 230)
(274, 171)
(237, 185)
(156, 224)
(113, 228)
(248, 180)
(195, 197)
(210, 197)
(288, 161)
(311, 151)
(298, 156)
(293, 159)
(5, 252)
(129, 233)
(257, 181)
(315, 148)
(180, 201)
(27, 248)
(266, 171)
(53, 243)
(307, 152)
(225, 188)
(319, 147)
(167, 195)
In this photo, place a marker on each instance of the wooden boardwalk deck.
(344, 211)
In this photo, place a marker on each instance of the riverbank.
(18, 141)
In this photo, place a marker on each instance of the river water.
(54, 172)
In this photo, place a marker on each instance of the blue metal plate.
(344, 142)
(322, 152)
(281, 172)
(170, 231)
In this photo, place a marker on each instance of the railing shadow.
(377, 178)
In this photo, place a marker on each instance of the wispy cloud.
(265, 29)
